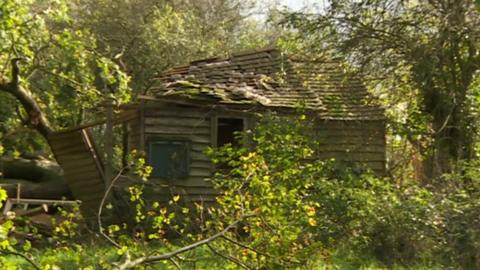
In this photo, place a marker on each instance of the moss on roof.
(271, 79)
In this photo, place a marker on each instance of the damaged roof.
(271, 79)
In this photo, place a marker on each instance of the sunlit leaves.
(59, 65)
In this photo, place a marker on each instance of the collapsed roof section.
(271, 79)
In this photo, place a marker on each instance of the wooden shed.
(202, 104)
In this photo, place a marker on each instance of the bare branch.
(36, 118)
(30, 261)
(128, 264)
(100, 209)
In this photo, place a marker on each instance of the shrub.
(303, 206)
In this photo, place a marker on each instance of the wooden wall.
(177, 123)
(75, 151)
(360, 142)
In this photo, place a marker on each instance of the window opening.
(227, 131)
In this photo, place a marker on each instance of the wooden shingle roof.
(270, 79)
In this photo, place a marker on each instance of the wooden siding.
(83, 170)
(361, 142)
(178, 123)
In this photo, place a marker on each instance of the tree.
(53, 70)
(70, 53)
(146, 37)
(420, 55)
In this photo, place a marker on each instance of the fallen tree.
(39, 178)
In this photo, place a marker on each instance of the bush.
(458, 204)
(306, 208)
(303, 206)
(295, 211)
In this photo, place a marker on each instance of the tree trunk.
(33, 170)
(53, 190)
(39, 179)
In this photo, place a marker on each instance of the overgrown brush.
(282, 208)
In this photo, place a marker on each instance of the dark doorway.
(227, 130)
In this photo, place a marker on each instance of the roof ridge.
(231, 56)
(254, 51)
(205, 60)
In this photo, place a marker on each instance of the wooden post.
(108, 141)
(142, 127)
(125, 145)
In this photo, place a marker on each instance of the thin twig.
(175, 263)
(185, 259)
(228, 257)
(255, 250)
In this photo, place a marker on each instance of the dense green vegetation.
(281, 208)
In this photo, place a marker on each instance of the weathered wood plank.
(86, 177)
(201, 164)
(196, 156)
(69, 148)
(177, 121)
(351, 148)
(58, 144)
(72, 158)
(200, 172)
(341, 124)
(83, 175)
(348, 133)
(202, 139)
(177, 130)
(374, 158)
(199, 147)
(351, 140)
(64, 136)
(364, 157)
(176, 112)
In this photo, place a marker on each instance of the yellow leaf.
(310, 210)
